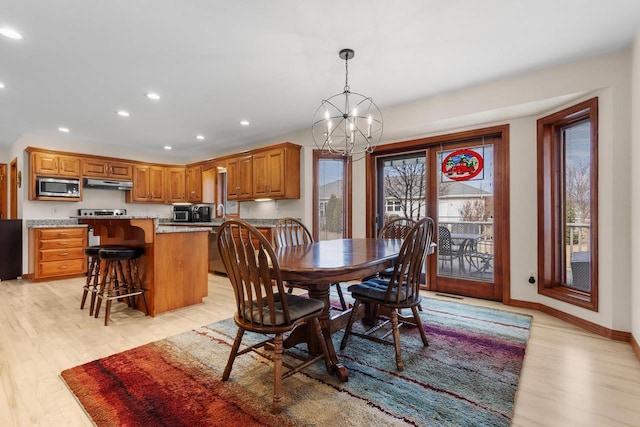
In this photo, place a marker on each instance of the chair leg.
(396, 340)
(232, 354)
(416, 317)
(343, 303)
(96, 286)
(277, 374)
(103, 287)
(87, 285)
(347, 330)
(137, 282)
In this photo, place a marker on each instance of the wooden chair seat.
(298, 308)
(376, 290)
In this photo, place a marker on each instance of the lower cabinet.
(57, 252)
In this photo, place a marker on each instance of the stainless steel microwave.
(57, 187)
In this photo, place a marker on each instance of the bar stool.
(93, 274)
(120, 279)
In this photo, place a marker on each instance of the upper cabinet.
(175, 184)
(48, 164)
(270, 173)
(194, 184)
(276, 173)
(99, 168)
(148, 184)
(240, 178)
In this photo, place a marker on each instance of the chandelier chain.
(346, 74)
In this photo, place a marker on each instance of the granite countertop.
(163, 225)
(117, 217)
(256, 222)
(181, 229)
(50, 223)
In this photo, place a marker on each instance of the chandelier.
(348, 123)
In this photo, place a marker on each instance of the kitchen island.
(174, 267)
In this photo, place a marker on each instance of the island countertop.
(160, 226)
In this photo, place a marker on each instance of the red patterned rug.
(468, 376)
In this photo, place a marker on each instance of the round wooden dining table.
(319, 264)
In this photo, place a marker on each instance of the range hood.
(107, 184)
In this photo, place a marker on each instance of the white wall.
(517, 101)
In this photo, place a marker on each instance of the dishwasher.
(215, 262)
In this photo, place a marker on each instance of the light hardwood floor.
(571, 377)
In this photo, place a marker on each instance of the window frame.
(551, 240)
(318, 155)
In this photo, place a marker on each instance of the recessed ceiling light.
(244, 122)
(63, 129)
(1, 85)
(152, 95)
(200, 137)
(10, 33)
(167, 147)
(123, 113)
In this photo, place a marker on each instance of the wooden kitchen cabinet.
(276, 173)
(57, 252)
(48, 164)
(148, 184)
(194, 184)
(175, 184)
(98, 168)
(240, 178)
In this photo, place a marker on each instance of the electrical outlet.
(54, 211)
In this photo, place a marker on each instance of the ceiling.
(215, 63)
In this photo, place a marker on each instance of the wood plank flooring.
(571, 377)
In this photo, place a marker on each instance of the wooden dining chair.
(396, 228)
(291, 232)
(402, 290)
(252, 268)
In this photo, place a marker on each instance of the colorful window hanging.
(463, 165)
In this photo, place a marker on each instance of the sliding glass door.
(452, 180)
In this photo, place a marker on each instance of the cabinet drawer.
(61, 268)
(61, 233)
(62, 243)
(61, 254)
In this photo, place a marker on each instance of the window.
(393, 206)
(331, 196)
(568, 205)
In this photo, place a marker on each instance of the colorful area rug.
(468, 376)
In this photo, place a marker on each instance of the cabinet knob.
(64, 253)
(63, 267)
